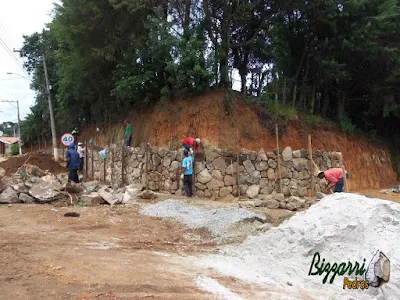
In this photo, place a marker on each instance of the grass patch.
(347, 126)
(315, 120)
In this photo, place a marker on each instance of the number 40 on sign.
(67, 139)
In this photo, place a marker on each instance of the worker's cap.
(80, 144)
(72, 145)
(198, 140)
(126, 121)
(185, 152)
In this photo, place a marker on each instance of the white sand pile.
(218, 221)
(341, 227)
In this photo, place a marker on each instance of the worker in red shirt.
(334, 177)
(191, 143)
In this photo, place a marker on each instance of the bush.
(14, 149)
(347, 126)
(372, 135)
(287, 112)
(315, 120)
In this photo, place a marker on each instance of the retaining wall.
(215, 171)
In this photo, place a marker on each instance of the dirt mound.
(41, 160)
(219, 118)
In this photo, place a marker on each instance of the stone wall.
(216, 171)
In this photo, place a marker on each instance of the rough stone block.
(215, 184)
(253, 191)
(219, 164)
(217, 175)
(261, 165)
(249, 166)
(229, 180)
(225, 191)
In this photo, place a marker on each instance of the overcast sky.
(18, 18)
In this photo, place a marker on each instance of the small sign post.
(67, 139)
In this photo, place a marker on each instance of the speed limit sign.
(67, 139)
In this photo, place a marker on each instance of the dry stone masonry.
(216, 175)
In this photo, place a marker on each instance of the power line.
(11, 54)
(8, 38)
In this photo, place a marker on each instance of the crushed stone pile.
(341, 227)
(217, 221)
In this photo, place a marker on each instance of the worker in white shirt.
(81, 150)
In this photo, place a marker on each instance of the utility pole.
(52, 121)
(19, 123)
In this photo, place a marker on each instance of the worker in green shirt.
(128, 133)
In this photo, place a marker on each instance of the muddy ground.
(107, 253)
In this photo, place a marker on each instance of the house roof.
(9, 139)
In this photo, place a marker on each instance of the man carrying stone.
(187, 169)
(335, 179)
(73, 163)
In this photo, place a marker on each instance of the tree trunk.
(186, 22)
(225, 44)
(325, 104)
(312, 104)
(294, 95)
(243, 82)
(284, 91)
(341, 106)
(276, 91)
(260, 84)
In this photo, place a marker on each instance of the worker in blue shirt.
(187, 169)
(73, 163)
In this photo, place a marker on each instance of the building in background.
(6, 142)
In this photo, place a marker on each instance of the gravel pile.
(342, 228)
(218, 221)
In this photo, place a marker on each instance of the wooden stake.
(310, 157)
(104, 166)
(122, 165)
(278, 157)
(346, 186)
(92, 161)
(86, 159)
(147, 166)
(237, 162)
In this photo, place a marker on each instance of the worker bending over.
(335, 179)
(191, 143)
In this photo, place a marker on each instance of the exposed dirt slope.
(41, 160)
(216, 117)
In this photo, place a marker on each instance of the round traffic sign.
(67, 139)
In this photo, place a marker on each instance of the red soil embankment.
(216, 117)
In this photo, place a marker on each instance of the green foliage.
(285, 111)
(14, 149)
(315, 120)
(347, 126)
(372, 135)
(103, 56)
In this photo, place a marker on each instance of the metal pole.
(52, 122)
(19, 130)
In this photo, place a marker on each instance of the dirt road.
(107, 253)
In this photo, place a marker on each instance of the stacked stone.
(216, 177)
